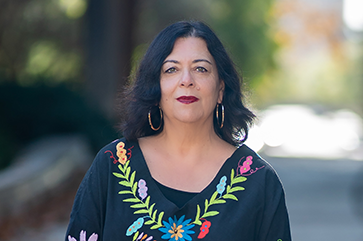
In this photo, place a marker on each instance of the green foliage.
(29, 113)
(41, 39)
(244, 28)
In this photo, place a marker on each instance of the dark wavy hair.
(144, 94)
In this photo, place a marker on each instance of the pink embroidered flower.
(82, 237)
(246, 165)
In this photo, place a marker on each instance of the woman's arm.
(88, 212)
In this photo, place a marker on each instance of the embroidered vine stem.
(221, 199)
(143, 207)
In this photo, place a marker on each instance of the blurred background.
(64, 62)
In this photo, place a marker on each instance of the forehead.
(190, 47)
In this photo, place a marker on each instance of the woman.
(181, 172)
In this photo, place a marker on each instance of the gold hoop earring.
(151, 124)
(217, 115)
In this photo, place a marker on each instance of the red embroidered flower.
(204, 229)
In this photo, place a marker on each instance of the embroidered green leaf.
(234, 189)
(149, 222)
(228, 188)
(125, 183)
(213, 197)
(232, 175)
(121, 168)
(147, 202)
(132, 200)
(125, 192)
(210, 214)
(126, 165)
(238, 179)
(119, 175)
(160, 218)
(138, 205)
(151, 209)
(206, 205)
(135, 236)
(127, 172)
(197, 221)
(132, 178)
(154, 215)
(141, 211)
(156, 226)
(218, 201)
(134, 188)
(230, 196)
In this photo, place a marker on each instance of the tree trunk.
(109, 38)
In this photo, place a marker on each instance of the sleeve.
(88, 212)
(275, 225)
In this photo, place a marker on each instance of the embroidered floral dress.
(119, 200)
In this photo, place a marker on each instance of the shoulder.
(111, 146)
(115, 149)
(107, 161)
(251, 164)
(112, 153)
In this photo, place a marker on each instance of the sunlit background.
(63, 63)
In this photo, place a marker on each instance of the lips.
(187, 99)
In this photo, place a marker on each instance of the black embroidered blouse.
(119, 200)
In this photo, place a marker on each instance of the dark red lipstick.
(187, 99)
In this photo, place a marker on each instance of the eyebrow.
(194, 61)
(202, 60)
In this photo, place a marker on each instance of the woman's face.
(190, 87)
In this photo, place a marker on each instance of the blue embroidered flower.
(135, 226)
(222, 185)
(142, 189)
(177, 230)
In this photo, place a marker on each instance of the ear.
(221, 91)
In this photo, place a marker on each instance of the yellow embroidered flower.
(176, 232)
(121, 153)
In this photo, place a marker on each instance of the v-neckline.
(144, 169)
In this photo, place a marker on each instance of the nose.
(187, 79)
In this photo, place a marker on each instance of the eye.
(170, 70)
(201, 69)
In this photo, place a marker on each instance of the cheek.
(165, 95)
(215, 92)
(166, 86)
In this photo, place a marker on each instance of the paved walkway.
(322, 197)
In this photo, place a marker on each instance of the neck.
(186, 138)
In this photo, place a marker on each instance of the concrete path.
(324, 198)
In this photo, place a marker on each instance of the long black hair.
(145, 93)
